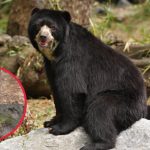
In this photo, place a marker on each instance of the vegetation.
(132, 25)
(3, 24)
(4, 10)
(38, 112)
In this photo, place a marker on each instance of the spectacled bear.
(93, 85)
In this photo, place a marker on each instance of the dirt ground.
(10, 91)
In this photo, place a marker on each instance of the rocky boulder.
(135, 138)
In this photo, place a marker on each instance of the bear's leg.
(99, 123)
(56, 119)
(72, 109)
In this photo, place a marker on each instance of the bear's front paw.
(89, 147)
(60, 129)
(53, 121)
(56, 130)
(86, 148)
(48, 124)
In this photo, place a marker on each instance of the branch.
(141, 62)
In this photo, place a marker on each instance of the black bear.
(93, 85)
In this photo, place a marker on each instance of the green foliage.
(133, 24)
(145, 9)
(101, 24)
(3, 2)
(106, 22)
(146, 36)
(5, 5)
(4, 11)
(142, 18)
(6, 119)
(146, 69)
(3, 24)
(55, 4)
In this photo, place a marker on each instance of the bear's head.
(47, 28)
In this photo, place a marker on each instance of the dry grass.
(38, 111)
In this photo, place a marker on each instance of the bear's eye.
(53, 28)
(38, 26)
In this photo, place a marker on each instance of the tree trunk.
(79, 10)
(21, 10)
(20, 14)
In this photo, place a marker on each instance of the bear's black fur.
(93, 85)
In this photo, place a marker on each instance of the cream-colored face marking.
(46, 31)
(46, 42)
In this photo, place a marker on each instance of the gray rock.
(135, 138)
(18, 41)
(4, 38)
(41, 140)
(14, 42)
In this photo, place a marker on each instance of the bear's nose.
(43, 37)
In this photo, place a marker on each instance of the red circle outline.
(25, 104)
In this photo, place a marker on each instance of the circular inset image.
(13, 103)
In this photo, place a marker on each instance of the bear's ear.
(66, 16)
(34, 10)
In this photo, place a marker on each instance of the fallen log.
(141, 62)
